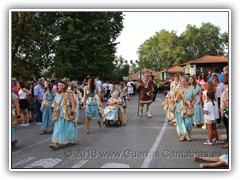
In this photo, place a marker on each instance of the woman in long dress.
(91, 104)
(198, 108)
(184, 123)
(65, 130)
(15, 118)
(78, 98)
(46, 108)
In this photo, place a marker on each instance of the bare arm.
(27, 91)
(16, 104)
(200, 96)
(99, 98)
(206, 112)
(73, 103)
(84, 97)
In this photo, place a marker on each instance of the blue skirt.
(14, 133)
(112, 115)
(184, 125)
(198, 113)
(47, 124)
(64, 131)
(92, 112)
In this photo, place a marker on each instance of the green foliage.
(121, 69)
(33, 41)
(68, 44)
(166, 49)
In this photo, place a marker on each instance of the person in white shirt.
(23, 103)
(130, 85)
(210, 115)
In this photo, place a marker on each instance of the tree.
(166, 49)
(68, 44)
(86, 44)
(158, 51)
(33, 41)
(120, 69)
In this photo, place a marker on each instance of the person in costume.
(198, 107)
(92, 104)
(146, 94)
(15, 118)
(184, 121)
(47, 108)
(65, 130)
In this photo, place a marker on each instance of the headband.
(61, 84)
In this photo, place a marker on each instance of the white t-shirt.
(219, 89)
(22, 94)
(210, 108)
(130, 87)
(99, 85)
(110, 86)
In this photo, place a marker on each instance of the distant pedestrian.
(47, 108)
(146, 94)
(130, 85)
(23, 101)
(15, 88)
(202, 81)
(198, 109)
(224, 109)
(15, 118)
(38, 95)
(219, 88)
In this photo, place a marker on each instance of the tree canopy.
(68, 44)
(166, 49)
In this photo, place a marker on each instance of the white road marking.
(80, 164)
(44, 163)
(40, 142)
(152, 151)
(22, 162)
(115, 165)
(159, 99)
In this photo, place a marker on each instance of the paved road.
(142, 143)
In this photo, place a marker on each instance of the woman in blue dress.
(198, 108)
(47, 109)
(77, 97)
(175, 83)
(15, 118)
(65, 130)
(91, 104)
(184, 123)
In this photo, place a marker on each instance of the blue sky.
(139, 26)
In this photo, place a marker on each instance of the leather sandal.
(181, 138)
(53, 145)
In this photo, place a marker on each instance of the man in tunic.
(146, 94)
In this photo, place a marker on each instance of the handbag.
(55, 115)
(189, 111)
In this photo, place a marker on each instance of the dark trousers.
(225, 121)
(39, 112)
(219, 119)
